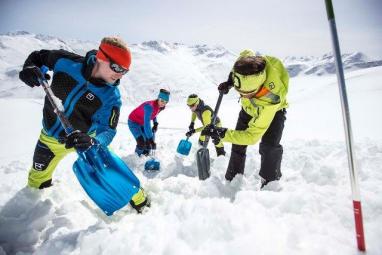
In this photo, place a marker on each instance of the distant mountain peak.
(160, 46)
(18, 32)
(325, 64)
(216, 51)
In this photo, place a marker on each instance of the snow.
(308, 212)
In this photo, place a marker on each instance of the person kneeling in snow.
(262, 82)
(205, 115)
(140, 122)
(87, 87)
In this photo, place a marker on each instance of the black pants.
(270, 149)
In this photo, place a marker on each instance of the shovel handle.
(218, 103)
(55, 102)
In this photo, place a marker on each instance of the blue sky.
(275, 27)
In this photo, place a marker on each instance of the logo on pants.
(39, 166)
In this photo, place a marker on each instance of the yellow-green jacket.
(270, 98)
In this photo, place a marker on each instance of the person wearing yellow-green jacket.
(205, 114)
(262, 82)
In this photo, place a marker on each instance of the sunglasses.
(114, 66)
(163, 101)
(191, 105)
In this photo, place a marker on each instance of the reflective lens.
(114, 66)
(162, 101)
(117, 68)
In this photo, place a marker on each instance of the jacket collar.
(200, 105)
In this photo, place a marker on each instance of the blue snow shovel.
(184, 146)
(152, 164)
(107, 180)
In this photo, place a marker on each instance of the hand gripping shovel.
(203, 155)
(107, 180)
(152, 164)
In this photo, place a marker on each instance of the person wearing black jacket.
(88, 89)
(204, 113)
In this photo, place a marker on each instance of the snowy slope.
(312, 214)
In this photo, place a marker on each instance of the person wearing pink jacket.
(139, 122)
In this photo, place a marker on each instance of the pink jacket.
(147, 110)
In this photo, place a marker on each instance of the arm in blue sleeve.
(148, 110)
(106, 136)
(107, 125)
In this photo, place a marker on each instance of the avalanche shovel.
(203, 155)
(152, 164)
(184, 146)
(107, 180)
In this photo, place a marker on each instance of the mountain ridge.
(158, 64)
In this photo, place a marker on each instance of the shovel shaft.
(215, 116)
(202, 155)
(56, 103)
(217, 107)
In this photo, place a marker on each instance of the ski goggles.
(114, 66)
(192, 105)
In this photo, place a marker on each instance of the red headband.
(118, 55)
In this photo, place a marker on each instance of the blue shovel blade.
(107, 180)
(184, 147)
(152, 165)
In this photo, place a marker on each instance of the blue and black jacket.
(91, 105)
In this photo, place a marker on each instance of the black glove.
(216, 133)
(141, 142)
(191, 126)
(216, 141)
(155, 127)
(190, 132)
(150, 144)
(31, 75)
(79, 140)
(225, 87)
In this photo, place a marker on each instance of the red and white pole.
(348, 132)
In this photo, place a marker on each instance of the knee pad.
(42, 157)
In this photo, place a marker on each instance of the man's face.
(106, 73)
(193, 107)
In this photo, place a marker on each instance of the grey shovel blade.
(203, 161)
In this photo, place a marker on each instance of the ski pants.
(47, 154)
(139, 135)
(270, 149)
